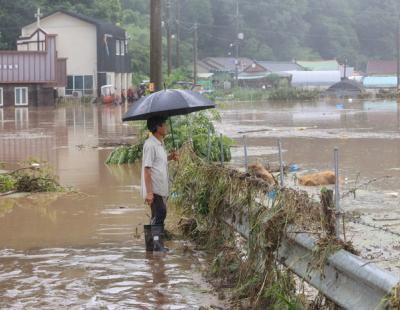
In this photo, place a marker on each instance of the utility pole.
(237, 45)
(155, 44)
(195, 54)
(168, 28)
(178, 32)
(398, 53)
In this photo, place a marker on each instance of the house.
(272, 67)
(256, 74)
(29, 75)
(97, 52)
(314, 79)
(319, 65)
(223, 64)
(382, 68)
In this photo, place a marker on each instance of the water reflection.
(21, 118)
(75, 251)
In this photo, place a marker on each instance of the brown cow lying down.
(259, 171)
(319, 178)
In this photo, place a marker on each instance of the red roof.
(382, 67)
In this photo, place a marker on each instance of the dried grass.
(211, 195)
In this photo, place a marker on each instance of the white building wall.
(76, 40)
(117, 83)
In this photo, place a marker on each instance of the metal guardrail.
(347, 280)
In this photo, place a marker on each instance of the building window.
(117, 47)
(122, 44)
(79, 83)
(21, 96)
(109, 79)
(1, 97)
(88, 84)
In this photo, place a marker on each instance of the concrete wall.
(76, 40)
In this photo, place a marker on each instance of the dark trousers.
(158, 210)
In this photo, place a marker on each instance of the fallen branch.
(8, 193)
(354, 189)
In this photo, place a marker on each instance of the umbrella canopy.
(167, 102)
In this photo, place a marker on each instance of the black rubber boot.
(157, 232)
(148, 237)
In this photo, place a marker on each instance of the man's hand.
(149, 198)
(174, 155)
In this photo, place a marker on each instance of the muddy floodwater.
(367, 134)
(84, 251)
(87, 252)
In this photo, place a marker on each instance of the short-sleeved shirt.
(155, 157)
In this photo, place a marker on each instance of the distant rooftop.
(380, 82)
(279, 66)
(314, 78)
(319, 65)
(225, 64)
(382, 67)
(105, 25)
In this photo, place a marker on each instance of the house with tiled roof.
(225, 64)
(273, 66)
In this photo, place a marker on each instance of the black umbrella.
(168, 102)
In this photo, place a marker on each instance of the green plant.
(291, 93)
(7, 183)
(193, 126)
(32, 177)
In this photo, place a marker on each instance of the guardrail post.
(280, 162)
(246, 163)
(337, 196)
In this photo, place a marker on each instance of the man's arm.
(149, 185)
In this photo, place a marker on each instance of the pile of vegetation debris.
(33, 176)
(209, 196)
(195, 127)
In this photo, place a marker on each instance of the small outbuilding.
(346, 87)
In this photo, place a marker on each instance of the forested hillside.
(356, 30)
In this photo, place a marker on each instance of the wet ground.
(84, 251)
(368, 137)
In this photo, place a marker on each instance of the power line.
(281, 32)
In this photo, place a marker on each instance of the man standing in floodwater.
(155, 179)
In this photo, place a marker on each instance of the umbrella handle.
(172, 133)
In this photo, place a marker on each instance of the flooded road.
(84, 251)
(368, 137)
